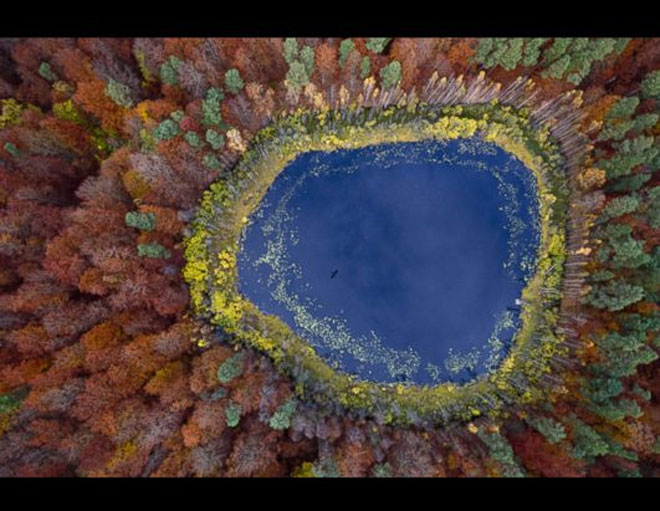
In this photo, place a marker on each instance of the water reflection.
(400, 262)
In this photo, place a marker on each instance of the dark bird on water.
(334, 274)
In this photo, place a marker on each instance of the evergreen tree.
(233, 81)
(231, 368)
(601, 389)
(297, 75)
(628, 184)
(233, 413)
(193, 139)
(558, 68)
(346, 47)
(46, 72)
(615, 295)
(214, 138)
(556, 50)
(391, 74)
(619, 206)
(211, 161)
(513, 54)
(281, 419)
(484, 48)
(378, 44)
(365, 67)
(616, 410)
(500, 46)
(588, 443)
(166, 130)
(652, 207)
(552, 430)
(500, 450)
(211, 107)
(623, 108)
(12, 149)
(169, 70)
(142, 221)
(651, 85)
(153, 250)
(615, 131)
(119, 93)
(621, 44)
(601, 47)
(290, 50)
(621, 356)
(307, 58)
(385, 470)
(532, 51)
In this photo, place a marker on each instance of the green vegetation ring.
(211, 253)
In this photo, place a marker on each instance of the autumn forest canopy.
(329, 257)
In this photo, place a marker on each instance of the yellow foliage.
(148, 76)
(142, 109)
(11, 113)
(304, 470)
(68, 111)
(123, 453)
(135, 184)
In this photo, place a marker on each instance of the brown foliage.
(254, 453)
(205, 368)
(405, 51)
(354, 459)
(544, 459)
(91, 96)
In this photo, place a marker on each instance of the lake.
(397, 262)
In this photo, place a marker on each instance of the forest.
(129, 166)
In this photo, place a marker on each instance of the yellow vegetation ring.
(211, 253)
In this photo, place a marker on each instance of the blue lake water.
(397, 262)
